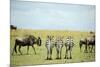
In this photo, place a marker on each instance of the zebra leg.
(33, 49)
(70, 54)
(27, 49)
(50, 55)
(47, 54)
(20, 50)
(66, 53)
(60, 54)
(57, 54)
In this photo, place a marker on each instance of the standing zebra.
(59, 45)
(49, 45)
(69, 44)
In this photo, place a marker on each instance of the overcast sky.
(51, 16)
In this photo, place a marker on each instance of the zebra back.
(69, 41)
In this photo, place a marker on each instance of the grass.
(40, 57)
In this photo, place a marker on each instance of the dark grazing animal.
(69, 43)
(27, 41)
(59, 45)
(49, 45)
(89, 42)
(83, 42)
(12, 27)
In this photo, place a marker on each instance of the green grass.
(40, 57)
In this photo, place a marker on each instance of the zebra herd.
(58, 43)
(68, 42)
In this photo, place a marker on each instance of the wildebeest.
(69, 43)
(49, 45)
(12, 27)
(27, 41)
(59, 45)
(89, 42)
(82, 42)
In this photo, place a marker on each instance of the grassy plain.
(40, 57)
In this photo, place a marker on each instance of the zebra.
(69, 43)
(49, 45)
(59, 45)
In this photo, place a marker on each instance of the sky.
(52, 16)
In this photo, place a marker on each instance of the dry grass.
(40, 57)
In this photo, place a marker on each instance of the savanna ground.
(40, 57)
